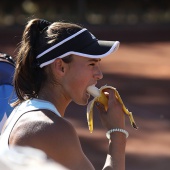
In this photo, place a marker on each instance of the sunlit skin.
(81, 73)
(72, 82)
(56, 136)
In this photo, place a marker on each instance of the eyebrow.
(94, 60)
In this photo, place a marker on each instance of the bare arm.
(114, 118)
(59, 140)
(53, 135)
(116, 156)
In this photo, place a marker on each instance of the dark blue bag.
(7, 67)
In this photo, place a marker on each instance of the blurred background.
(140, 69)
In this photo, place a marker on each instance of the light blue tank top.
(26, 106)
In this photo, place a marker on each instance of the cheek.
(77, 82)
(80, 75)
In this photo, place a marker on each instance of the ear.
(58, 66)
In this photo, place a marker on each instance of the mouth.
(87, 94)
(93, 90)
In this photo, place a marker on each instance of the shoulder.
(36, 122)
(52, 134)
(44, 130)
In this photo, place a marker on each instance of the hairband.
(43, 24)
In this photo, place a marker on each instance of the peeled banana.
(99, 96)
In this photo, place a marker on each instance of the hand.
(114, 117)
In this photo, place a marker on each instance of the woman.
(55, 65)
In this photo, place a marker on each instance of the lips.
(87, 94)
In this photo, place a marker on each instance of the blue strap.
(6, 97)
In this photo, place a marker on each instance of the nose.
(98, 74)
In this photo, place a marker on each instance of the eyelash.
(92, 64)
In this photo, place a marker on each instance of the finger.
(100, 107)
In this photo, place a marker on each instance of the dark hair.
(28, 78)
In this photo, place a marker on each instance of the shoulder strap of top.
(36, 104)
(27, 106)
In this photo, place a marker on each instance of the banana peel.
(99, 96)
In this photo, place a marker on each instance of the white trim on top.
(60, 43)
(114, 47)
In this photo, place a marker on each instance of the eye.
(92, 64)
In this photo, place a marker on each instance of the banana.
(99, 96)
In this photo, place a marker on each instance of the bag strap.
(7, 58)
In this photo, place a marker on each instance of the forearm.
(116, 156)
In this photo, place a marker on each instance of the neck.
(53, 94)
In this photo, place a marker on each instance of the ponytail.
(28, 77)
(38, 36)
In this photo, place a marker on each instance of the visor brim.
(100, 49)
